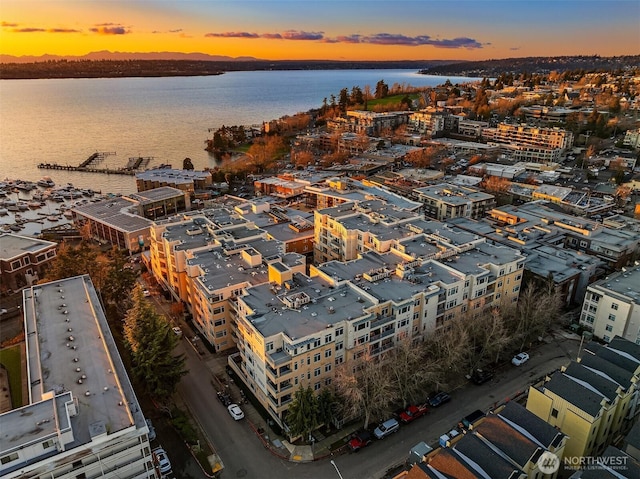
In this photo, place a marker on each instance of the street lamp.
(337, 470)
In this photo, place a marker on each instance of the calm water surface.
(66, 120)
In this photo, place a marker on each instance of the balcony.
(381, 321)
(279, 357)
(285, 385)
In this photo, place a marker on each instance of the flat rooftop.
(624, 285)
(114, 212)
(156, 194)
(73, 365)
(13, 246)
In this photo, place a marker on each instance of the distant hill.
(107, 55)
(492, 68)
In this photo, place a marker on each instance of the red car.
(413, 412)
(359, 440)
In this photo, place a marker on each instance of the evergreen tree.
(187, 164)
(302, 415)
(150, 340)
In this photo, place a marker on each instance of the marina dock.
(130, 169)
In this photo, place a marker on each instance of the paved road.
(244, 456)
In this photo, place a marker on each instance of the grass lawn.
(10, 358)
(389, 100)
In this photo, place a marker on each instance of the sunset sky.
(324, 29)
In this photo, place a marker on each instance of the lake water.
(66, 120)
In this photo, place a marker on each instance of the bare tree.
(410, 371)
(487, 336)
(365, 388)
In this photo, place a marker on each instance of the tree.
(326, 406)
(187, 164)
(538, 307)
(409, 370)
(364, 388)
(302, 414)
(382, 89)
(149, 338)
(487, 336)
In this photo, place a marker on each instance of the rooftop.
(13, 246)
(114, 212)
(156, 194)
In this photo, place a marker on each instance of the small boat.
(45, 182)
(34, 204)
(24, 186)
(57, 198)
(68, 214)
(4, 212)
(11, 205)
(22, 206)
(52, 218)
(15, 227)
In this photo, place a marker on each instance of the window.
(316, 357)
(554, 412)
(339, 331)
(339, 346)
(327, 382)
(9, 458)
(327, 353)
(221, 334)
(606, 338)
(328, 338)
(403, 323)
(316, 343)
(339, 360)
(609, 327)
(218, 310)
(327, 368)
(499, 284)
(219, 322)
(48, 444)
(612, 317)
(316, 372)
(316, 386)
(614, 306)
(361, 326)
(516, 289)
(269, 347)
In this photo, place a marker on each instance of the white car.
(177, 331)
(162, 460)
(235, 411)
(519, 359)
(146, 293)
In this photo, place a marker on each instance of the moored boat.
(45, 182)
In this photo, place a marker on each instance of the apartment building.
(188, 181)
(594, 400)
(160, 202)
(23, 260)
(612, 306)
(343, 232)
(433, 122)
(531, 143)
(81, 417)
(115, 221)
(615, 242)
(446, 201)
(368, 122)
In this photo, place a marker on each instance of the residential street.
(244, 455)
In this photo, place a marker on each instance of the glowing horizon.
(324, 29)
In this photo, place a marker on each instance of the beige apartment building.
(295, 330)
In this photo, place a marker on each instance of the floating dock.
(130, 169)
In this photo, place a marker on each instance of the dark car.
(481, 376)
(413, 412)
(359, 440)
(439, 399)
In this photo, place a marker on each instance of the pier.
(130, 169)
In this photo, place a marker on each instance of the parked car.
(359, 440)
(520, 359)
(413, 412)
(146, 292)
(152, 430)
(388, 427)
(177, 331)
(235, 411)
(161, 460)
(481, 376)
(439, 399)
(225, 399)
